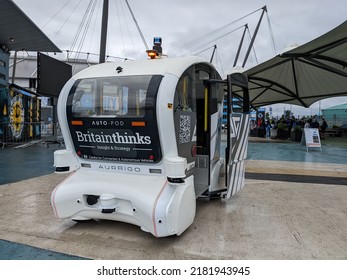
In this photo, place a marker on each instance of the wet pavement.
(16, 251)
(26, 163)
(294, 151)
(293, 207)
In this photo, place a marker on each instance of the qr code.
(184, 129)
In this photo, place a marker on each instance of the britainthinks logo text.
(114, 138)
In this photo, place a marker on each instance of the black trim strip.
(292, 178)
(62, 168)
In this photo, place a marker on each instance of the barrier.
(17, 133)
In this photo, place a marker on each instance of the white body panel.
(147, 201)
(141, 175)
(128, 192)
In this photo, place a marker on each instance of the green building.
(336, 115)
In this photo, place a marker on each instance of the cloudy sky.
(189, 27)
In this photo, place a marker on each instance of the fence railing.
(25, 132)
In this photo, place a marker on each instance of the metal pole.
(229, 111)
(214, 50)
(240, 45)
(137, 26)
(14, 66)
(254, 35)
(103, 32)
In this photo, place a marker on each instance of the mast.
(103, 32)
(240, 45)
(253, 38)
(214, 50)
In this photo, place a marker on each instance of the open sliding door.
(237, 133)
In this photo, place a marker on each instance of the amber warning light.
(152, 54)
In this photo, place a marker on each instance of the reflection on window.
(185, 94)
(110, 97)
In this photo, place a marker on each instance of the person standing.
(307, 124)
(268, 129)
(324, 126)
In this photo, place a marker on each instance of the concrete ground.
(276, 216)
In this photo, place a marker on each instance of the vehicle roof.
(175, 66)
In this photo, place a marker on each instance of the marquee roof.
(304, 75)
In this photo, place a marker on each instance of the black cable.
(271, 33)
(72, 11)
(219, 29)
(56, 14)
(80, 26)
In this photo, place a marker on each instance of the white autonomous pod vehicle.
(143, 142)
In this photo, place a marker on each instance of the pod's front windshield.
(114, 119)
(110, 97)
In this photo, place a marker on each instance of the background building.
(20, 108)
(336, 115)
(4, 61)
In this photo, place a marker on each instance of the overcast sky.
(190, 26)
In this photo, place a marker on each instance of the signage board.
(311, 138)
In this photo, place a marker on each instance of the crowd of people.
(287, 124)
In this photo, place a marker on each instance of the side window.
(185, 96)
(195, 103)
(217, 97)
(185, 114)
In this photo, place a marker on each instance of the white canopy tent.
(304, 75)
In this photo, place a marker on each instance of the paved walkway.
(273, 217)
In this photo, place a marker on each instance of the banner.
(20, 114)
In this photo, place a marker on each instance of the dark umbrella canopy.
(18, 32)
(304, 75)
